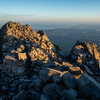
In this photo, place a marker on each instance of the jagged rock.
(69, 80)
(70, 94)
(72, 69)
(89, 86)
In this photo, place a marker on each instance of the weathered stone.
(50, 93)
(89, 86)
(11, 65)
(44, 75)
(69, 80)
(36, 84)
(56, 79)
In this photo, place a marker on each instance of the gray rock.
(34, 77)
(49, 92)
(56, 79)
(70, 94)
(69, 80)
(89, 86)
(44, 75)
(36, 84)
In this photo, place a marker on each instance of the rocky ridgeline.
(21, 45)
(32, 68)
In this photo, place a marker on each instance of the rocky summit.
(32, 68)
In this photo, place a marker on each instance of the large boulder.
(69, 81)
(89, 86)
(44, 75)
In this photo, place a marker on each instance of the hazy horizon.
(49, 25)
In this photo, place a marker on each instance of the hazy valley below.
(65, 38)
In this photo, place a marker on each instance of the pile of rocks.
(32, 68)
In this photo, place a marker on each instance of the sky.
(50, 13)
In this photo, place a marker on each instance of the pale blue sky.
(50, 11)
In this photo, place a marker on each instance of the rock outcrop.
(32, 68)
(86, 56)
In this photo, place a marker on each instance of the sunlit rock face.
(86, 56)
(23, 44)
